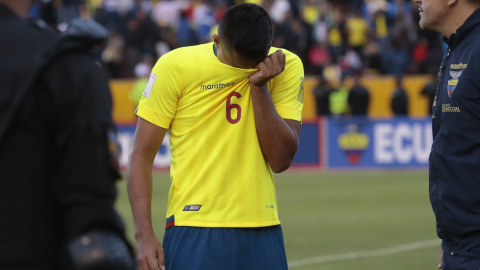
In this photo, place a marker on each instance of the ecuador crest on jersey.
(452, 84)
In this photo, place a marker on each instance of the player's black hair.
(247, 29)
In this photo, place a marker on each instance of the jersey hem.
(223, 224)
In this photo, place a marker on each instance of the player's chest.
(214, 102)
(457, 94)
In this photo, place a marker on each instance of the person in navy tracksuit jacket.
(455, 156)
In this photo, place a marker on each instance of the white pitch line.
(365, 254)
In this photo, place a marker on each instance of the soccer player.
(455, 156)
(233, 111)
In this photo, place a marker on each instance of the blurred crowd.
(334, 38)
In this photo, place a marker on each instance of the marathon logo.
(215, 86)
(192, 207)
(458, 66)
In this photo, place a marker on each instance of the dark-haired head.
(244, 36)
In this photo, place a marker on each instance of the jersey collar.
(214, 49)
(464, 30)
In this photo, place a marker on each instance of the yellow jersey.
(358, 32)
(219, 175)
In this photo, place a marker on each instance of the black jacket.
(399, 102)
(56, 175)
(455, 156)
(430, 91)
(322, 98)
(358, 100)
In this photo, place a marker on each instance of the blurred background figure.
(112, 55)
(430, 90)
(399, 102)
(58, 147)
(357, 31)
(322, 96)
(358, 97)
(142, 72)
(382, 33)
(339, 99)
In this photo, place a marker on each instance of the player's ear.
(216, 40)
(452, 2)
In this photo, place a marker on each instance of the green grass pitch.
(325, 213)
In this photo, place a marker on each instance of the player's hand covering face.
(269, 68)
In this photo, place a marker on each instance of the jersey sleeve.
(287, 90)
(158, 104)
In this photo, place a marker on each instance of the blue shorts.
(195, 248)
(466, 260)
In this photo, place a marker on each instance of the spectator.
(166, 13)
(185, 34)
(144, 33)
(321, 30)
(285, 37)
(430, 89)
(142, 72)
(303, 39)
(319, 56)
(399, 99)
(278, 11)
(204, 20)
(322, 96)
(339, 100)
(351, 62)
(372, 54)
(358, 97)
(332, 71)
(68, 10)
(357, 30)
(335, 40)
(420, 55)
(381, 28)
(112, 56)
(302, 26)
(111, 16)
(401, 40)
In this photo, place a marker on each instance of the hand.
(149, 249)
(440, 266)
(273, 65)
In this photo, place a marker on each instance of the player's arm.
(156, 110)
(148, 138)
(278, 137)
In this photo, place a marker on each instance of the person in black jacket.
(399, 99)
(430, 89)
(57, 151)
(455, 157)
(358, 97)
(322, 96)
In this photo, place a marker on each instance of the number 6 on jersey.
(233, 106)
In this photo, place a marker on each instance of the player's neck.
(456, 19)
(223, 60)
(235, 60)
(19, 7)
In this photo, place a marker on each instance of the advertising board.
(365, 143)
(338, 143)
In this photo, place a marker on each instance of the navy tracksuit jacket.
(455, 156)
